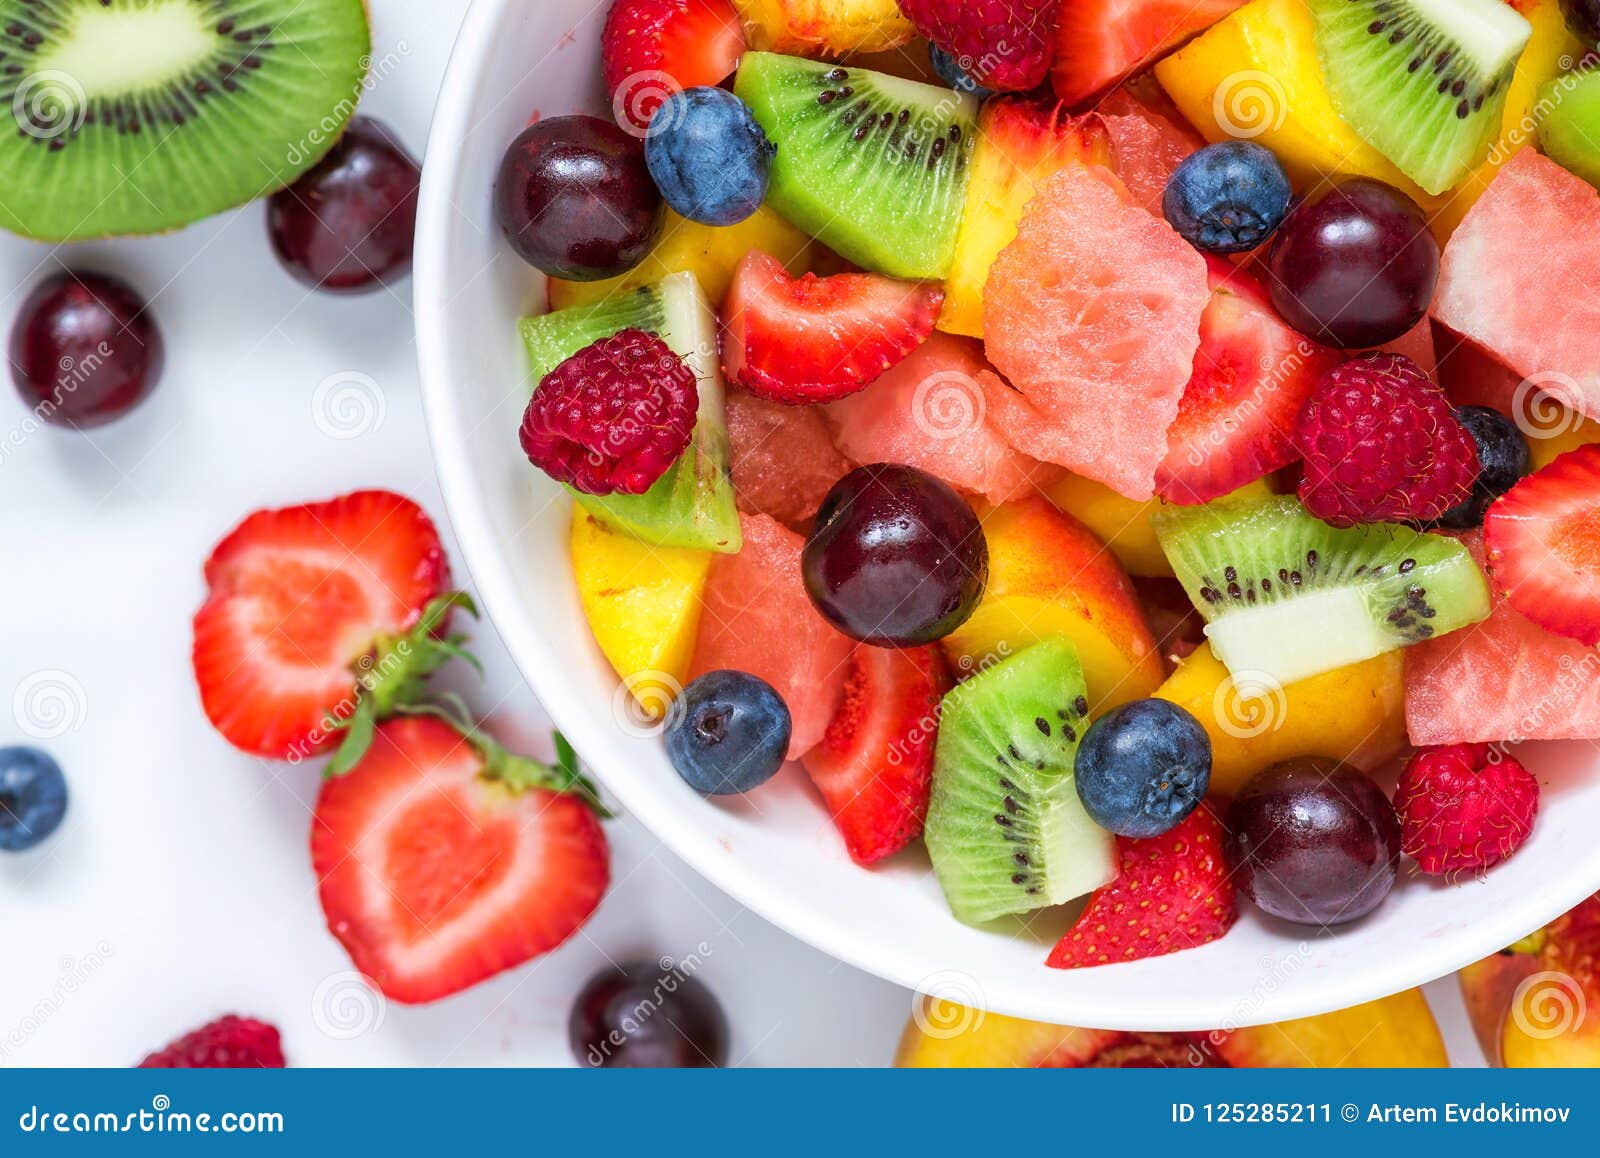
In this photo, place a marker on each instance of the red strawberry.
(874, 765)
(1543, 543)
(301, 602)
(817, 339)
(649, 48)
(1099, 42)
(228, 1043)
(1460, 810)
(1001, 44)
(1173, 894)
(442, 861)
(1252, 374)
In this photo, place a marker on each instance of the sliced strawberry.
(875, 763)
(815, 339)
(1173, 894)
(1252, 374)
(1100, 42)
(299, 599)
(438, 870)
(649, 48)
(1543, 543)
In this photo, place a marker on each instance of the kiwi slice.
(1422, 81)
(1569, 130)
(1286, 596)
(692, 504)
(1006, 830)
(140, 116)
(873, 166)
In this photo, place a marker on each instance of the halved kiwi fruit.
(1422, 81)
(140, 116)
(873, 166)
(692, 504)
(1006, 830)
(1286, 596)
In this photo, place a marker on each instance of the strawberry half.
(874, 766)
(816, 339)
(1252, 374)
(444, 861)
(1100, 42)
(308, 606)
(1542, 538)
(650, 47)
(1001, 44)
(1173, 893)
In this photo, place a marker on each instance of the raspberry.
(229, 1043)
(613, 417)
(1382, 444)
(1001, 44)
(1459, 810)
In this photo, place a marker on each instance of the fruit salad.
(1140, 451)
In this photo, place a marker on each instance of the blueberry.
(950, 71)
(1503, 459)
(1143, 767)
(728, 733)
(1228, 197)
(708, 156)
(33, 798)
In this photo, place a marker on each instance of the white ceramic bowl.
(777, 852)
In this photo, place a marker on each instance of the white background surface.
(180, 886)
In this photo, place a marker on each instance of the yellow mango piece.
(824, 27)
(1571, 432)
(1354, 713)
(1020, 144)
(712, 253)
(643, 605)
(1397, 1031)
(1551, 51)
(1256, 76)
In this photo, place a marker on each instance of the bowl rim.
(1428, 959)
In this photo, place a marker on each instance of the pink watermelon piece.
(1505, 679)
(1093, 316)
(757, 618)
(783, 458)
(1147, 145)
(1519, 278)
(930, 412)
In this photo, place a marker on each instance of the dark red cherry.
(575, 199)
(1314, 841)
(348, 223)
(84, 349)
(641, 1016)
(895, 557)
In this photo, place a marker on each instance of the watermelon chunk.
(1092, 315)
(930, 412)
(757, 618)
(1505, 679)
(783, 458)
(1518, 278)
(1147, 143)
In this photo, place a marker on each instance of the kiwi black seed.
(874, 166)
(133, 117)
(1422, 81)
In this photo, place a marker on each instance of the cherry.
(84, 349)
(642, 1017)
(347, 225)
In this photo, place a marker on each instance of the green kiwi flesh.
(1006, 830)
(1569, 130)
(873, 166)
(1422, 81)
(142, 116)
(1286, 597)
(692, 504)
